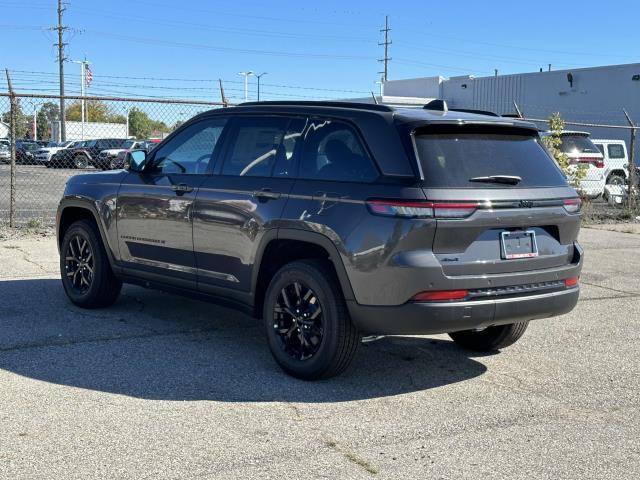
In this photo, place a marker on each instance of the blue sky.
(179, 49)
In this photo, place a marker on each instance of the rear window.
(450, 159)
(573, 144)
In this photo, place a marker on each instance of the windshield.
(453, 157)
(576, 144)
(128, 144)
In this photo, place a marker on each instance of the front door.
(155, 207)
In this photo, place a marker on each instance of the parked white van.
(616, 160)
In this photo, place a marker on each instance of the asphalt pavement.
(158, 386)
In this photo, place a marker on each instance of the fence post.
(13, 105)
(632, 164)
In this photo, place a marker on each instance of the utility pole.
(386, 43)
(61, 58)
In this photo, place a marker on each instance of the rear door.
(499, 200)
(155, 208)
(244, 198)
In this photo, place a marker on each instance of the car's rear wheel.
(87, 277)
(491, 338)
(308, 327)
(616, 179)
(81, 161)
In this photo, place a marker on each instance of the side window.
(292, 140)
(191, 149)
(333, 151)
(256, 144)
(600, 147)
(615, 150)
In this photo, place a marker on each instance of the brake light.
(440, 296)
(572, 205)
(418, 209)
(571, 282)
(595, 161)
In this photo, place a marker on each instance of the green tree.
(43, 125)
(23, 121)
(553, 142)
(139, 123)
(141, 126)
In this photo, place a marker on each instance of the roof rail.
(478, 112)
(441, 106)
(311, 103)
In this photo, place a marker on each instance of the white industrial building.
(590, 95)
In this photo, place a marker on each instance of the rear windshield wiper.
(508, 179)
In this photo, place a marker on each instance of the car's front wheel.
(308, 327)
(87, 277)
(81, 161)
(490, 339)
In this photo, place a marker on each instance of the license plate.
(521, 244)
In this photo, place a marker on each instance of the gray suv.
(332, 220)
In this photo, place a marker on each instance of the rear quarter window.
(451, 156)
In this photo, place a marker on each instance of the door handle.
(181, 188)
(266, 194)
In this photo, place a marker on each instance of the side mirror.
(135, 160)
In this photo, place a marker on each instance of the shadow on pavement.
(153, 345)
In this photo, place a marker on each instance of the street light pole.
(246, 83)
(258, 77)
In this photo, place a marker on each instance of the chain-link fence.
(606, 153)
(38, 152)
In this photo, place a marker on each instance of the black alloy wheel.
(79, 263)
(309, 331)
(298, 321)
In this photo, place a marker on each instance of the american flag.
(88, 75)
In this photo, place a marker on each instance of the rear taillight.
(440, 296)
(571, 282)
(572, 205)
(596, 162)
(417, 209)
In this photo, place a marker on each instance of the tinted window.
(600, 147)
(333, 151)
(450, 160)
(577, 144)
(290, 145)
(615, 151)
(191, 149)
(255, 145)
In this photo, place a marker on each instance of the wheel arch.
(72, 210)
(285, 245)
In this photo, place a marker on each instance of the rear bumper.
(444, 317)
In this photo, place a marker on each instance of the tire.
(80, 161)
(491, 338)
(85, 289)
(616, 179)
(331, 339)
